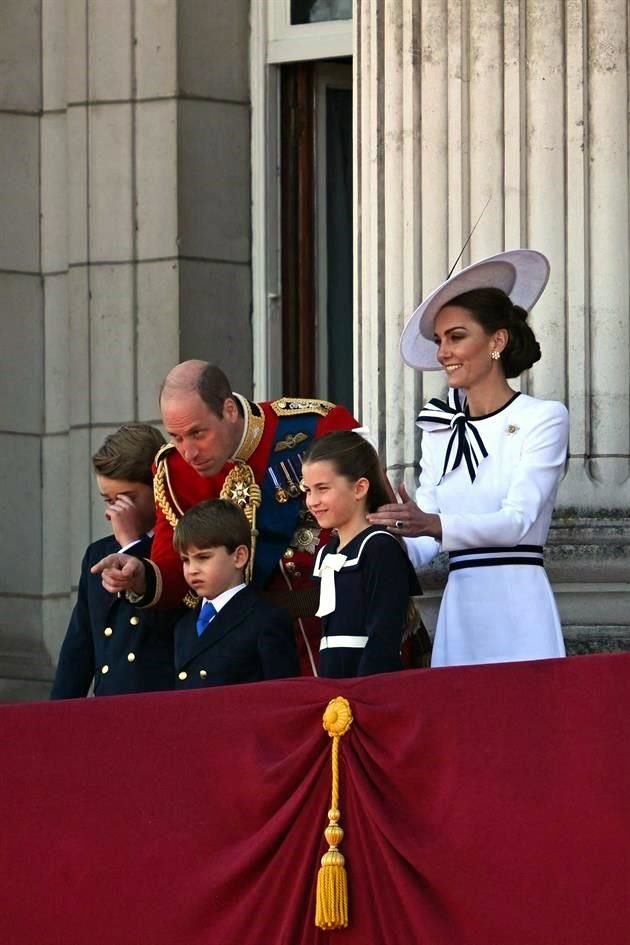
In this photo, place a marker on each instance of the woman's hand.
(406, 520)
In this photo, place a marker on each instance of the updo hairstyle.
(493, 309)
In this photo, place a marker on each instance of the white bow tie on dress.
(327, 598)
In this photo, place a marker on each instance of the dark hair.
(129, 453)
(354, 458)
(214, 388)
(211, 384)
(214, 523)
(493, 309)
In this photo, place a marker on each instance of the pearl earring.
(495, 355)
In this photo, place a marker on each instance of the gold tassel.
(331, 908)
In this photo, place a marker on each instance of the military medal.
(281, 494)
(305, 539)
(306, 535)
(240, 487)
(296, 476)
(292, 485)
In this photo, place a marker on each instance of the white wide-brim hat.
(521, 273)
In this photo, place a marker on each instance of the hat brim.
(520, 273)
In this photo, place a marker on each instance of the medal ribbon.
(276, 521)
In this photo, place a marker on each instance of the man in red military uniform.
(224, 446)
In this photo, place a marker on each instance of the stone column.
(523, 106)
(122, 222)
(88, 286)
(213, 183)
(124, 181)
(34, 351)
(606, 263)
(387, 230)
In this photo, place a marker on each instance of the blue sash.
(276, 521)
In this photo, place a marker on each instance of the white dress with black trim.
(364, 598)
(493, 481)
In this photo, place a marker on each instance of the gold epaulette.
(294, 406)
(166, 448)
(161, 485)
(253, 428)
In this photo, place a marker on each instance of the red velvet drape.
(482, 806)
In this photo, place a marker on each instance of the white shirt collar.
(222, 599)
(130, 544)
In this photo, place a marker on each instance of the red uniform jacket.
(178, 487)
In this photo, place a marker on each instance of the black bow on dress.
(465, 442)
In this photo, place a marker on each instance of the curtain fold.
(481, 806)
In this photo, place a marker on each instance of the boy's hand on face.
(125, 520)
(121, 573)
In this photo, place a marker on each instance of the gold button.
(108, 631)
(105, 669)
(134, 621)
(131, 657)
(297, 575)
(289, 553)
(182, 675)
(203, 673)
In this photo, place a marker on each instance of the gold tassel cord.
(159, 492)
(331, 908)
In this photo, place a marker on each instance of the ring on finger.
(398, 523)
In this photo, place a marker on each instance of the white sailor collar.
(327, 564)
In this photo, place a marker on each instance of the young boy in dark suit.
(233, 636)
(109, 641)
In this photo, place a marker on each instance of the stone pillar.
(122, 220)
(88, 286)
(124, 181)
(388, 220)
(523, 106)
(213, 182)
(34, 350)
(606, 77)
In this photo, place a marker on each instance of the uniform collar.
(253, 427)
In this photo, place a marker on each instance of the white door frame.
(273, 41)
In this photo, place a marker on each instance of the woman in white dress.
(491, 462)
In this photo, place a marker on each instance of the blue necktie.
(206, 614)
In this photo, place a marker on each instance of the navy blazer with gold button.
(248, 640)
(108, 640)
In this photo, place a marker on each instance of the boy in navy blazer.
(109, 641)
(233, 635)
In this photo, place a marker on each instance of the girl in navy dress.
(366, 577)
